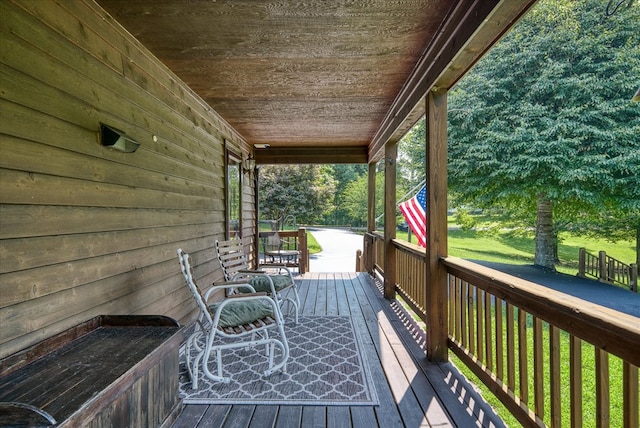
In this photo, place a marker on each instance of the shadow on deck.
(412, 391)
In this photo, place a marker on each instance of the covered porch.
(412, 392)
(213, 87)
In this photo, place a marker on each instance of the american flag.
(415, 212)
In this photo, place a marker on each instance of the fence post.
(611, 271)
(633, 277)
(303, 262)
(582, 260)
(602, 266)
(367, 251)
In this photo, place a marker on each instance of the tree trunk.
(545, 239)
(638, 246)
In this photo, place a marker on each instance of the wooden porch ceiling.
(319, 82)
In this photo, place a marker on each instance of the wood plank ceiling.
(315, 80)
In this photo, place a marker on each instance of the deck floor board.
(412, 391)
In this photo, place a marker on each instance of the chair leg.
(284, 347)
(293, 302)
(192, 344)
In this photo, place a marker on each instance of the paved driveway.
(338, 250)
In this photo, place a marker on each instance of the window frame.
(233, 194)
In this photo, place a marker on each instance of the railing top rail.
(410, 248)
(613, 331)
(613, 259)
(281, 233)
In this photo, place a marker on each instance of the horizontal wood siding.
(86, 230)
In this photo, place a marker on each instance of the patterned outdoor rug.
(325, 367)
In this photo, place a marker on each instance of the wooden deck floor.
(412, 392)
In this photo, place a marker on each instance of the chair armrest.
(227, 286)
(280, 266)
(245, 295)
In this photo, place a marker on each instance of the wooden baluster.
(499, 340)
(459, 306)
(464, 301)
(538, 368)
(575, 380)
(602, 388)
(554, 377)
(511, 349)
(487, 331)
(452, 306)
(522, 355)
(480, 309)
(472, 325)
(630, 392)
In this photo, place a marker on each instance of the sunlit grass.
(506, 247)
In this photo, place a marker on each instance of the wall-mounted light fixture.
(249, 164)
(261, 146)
(116, 139)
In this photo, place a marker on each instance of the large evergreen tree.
(544, 126)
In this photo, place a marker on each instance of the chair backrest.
(272, 241)
(231, 257)
(187, 272)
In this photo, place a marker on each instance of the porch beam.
(436, 156)
(473, 27)
(390, 155)
(311, 155)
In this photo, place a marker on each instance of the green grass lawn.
(506, 247)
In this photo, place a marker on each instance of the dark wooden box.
(109, 371)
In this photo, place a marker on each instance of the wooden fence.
(530, 344)
(607, 269)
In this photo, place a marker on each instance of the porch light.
(116, 139)
(249, 164)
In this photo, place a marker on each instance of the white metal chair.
(273, 278)
(244, 320)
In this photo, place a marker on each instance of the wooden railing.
(550, 358)
(608, 269)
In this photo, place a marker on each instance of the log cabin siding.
(86, 230)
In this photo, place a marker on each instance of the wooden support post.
(369, 245)
(303, 262)
(371, 198)
(633, 277)
(390, 155)
(436, 155)
(256, 220)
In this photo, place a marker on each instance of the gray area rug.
(325, 367)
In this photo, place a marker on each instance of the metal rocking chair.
(273, 278)
(243, 320)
